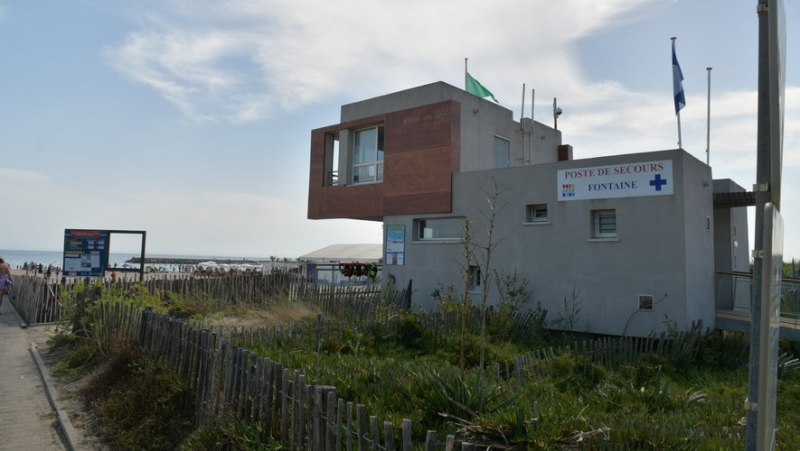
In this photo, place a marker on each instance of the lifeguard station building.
(636, 237)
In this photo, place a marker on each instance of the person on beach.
(5, 278)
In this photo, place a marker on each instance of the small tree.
(465, 300)
(485, 251)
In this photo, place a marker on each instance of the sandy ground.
(66, 391)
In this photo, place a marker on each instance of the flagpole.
(678, 112)
(708, 121)
(465, 74)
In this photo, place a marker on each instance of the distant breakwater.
(191, 261)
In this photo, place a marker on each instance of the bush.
(410, 333)
(225, 434)
(140, 403)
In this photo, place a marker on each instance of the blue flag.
(677, 82)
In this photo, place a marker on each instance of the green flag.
(474, 87)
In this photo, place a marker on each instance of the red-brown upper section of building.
(421, 151)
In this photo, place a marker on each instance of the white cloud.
(20, 178)
(287, 54)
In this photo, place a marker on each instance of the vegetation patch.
(403, 365)
(140, 403)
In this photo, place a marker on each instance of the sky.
(191, 119)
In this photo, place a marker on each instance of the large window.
(440, 229)
(368, 155)
(605, 223)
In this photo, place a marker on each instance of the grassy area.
(687, 402)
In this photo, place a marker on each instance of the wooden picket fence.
(227, 379)
(36, 302)
(39, 301)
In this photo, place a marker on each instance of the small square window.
(604, 224)
(536, 213)
(646, 302)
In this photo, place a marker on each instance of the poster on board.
(395, 245)
(85, 253)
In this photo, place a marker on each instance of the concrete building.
(629, 241)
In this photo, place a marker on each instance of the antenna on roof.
(556, 113)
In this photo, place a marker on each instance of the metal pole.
(533, 126)
(762, 197)
(141, 266)
(555, 114)
(465, 74)
(708, 121)
(521, 125)
(678, 112)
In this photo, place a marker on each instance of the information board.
(85, 252)
(395, 245)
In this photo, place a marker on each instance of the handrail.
(750, 275)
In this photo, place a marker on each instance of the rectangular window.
(605, 223)
(536, 213)
(645, 302)
(475, 277)
(440, 229)
(501, 152)
(368, 155)
(331, 159)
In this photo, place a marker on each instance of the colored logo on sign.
(658, 182)
(568, 190)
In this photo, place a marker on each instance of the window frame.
(421, 223)
(475, 279)
(597, 224)
(507, 150)
(531, 213)
(643, 303)
(377, 162)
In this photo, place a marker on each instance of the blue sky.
(191, 119)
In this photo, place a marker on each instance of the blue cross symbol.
(658, 182)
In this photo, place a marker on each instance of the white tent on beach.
(364, 253)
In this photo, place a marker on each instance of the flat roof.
(359, 252)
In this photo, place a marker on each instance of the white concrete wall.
(663, 248)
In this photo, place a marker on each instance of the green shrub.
(140, 403)
(411, 334)
(225, 434)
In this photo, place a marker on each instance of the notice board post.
(86, 252)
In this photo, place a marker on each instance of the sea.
(16, 258)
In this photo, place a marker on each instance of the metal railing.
(733, 292)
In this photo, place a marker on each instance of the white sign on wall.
(650, 178)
